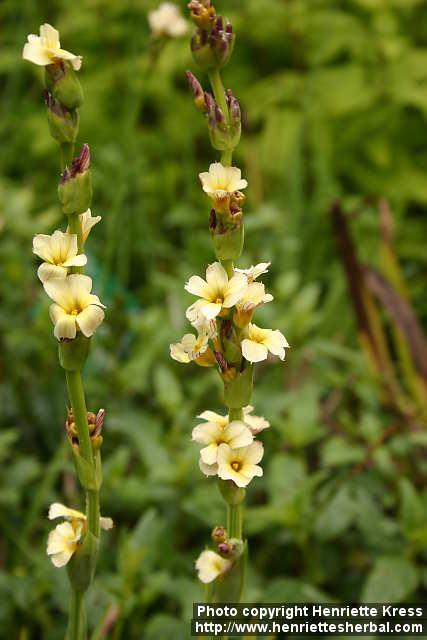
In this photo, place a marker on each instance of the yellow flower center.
(219, 300)
(74, 312)
(236, 465)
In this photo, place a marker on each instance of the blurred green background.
(334, 97)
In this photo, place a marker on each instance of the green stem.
(78, 403)
(235, 414)
(234, 521)
(220, 98)
(77, 621)
(229, 267)
(226, 158)
(67, 154)
(219, 93)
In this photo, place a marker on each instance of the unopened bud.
(198, 94)
(235, 118)
(219, 534)
(221, 41)
(226, 549)
(75, 187)
(63, 83)
(63, 123)
(202, 13)
(221, 361)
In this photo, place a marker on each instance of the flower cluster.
(213, 565)
(230, 451)
(65, 539)
(227, 337)
(74, 309)
(222, 314)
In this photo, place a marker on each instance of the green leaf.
(337, 451)
(392, 579)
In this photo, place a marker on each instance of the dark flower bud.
(75, 187)
(221, 41)
(196, 88)
(226, 549)
(63, 123)
(235, 114)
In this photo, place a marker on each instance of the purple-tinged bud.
(228, 27)
(233, 548)
(63, 123)
(99, 422)
(223, 365)
(75, 186)
(198, 94)
(225, 549)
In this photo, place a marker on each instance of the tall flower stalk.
(227, 298)
(75, 313)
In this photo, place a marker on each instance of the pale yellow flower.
(190, 347)
(208, 469)
(75, 308)
(259, 342)
(219, 181)
(193, 349)
(240, 465)
(235, 434)
(255, 423)
(63, 541)
(253, 297)
(215, 418)
(217, 292)
(210, 565)
(167, 21)
(87, 220)
(254, 271)
(59, 251)
(46, 49)
(58, 510)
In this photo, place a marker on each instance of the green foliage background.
(334, 94)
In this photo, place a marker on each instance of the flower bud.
(62, 82)
(202, 13)
(221, 41)
(201, 50)
(235, 118)
(196, 88)
(63, 123)
(75, 186)
(213, 45)
(219, 534)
